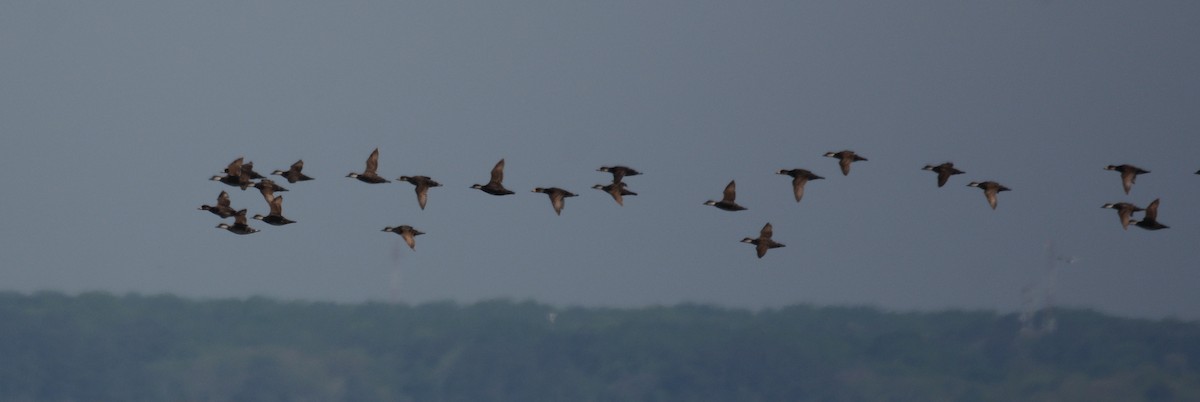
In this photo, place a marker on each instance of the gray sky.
(114, 115)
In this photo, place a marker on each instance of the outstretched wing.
(730, 192)
(498, 172)
(372, 163)
(1151, 213)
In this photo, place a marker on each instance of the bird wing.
(1151, 213)
(798, 186)
(943, 176)
(234, 168)
(730, 192)
(372, 163)
(844, 162)
(298, 166)
(223, 199)
(498, 172)
(990, 193)
(409, 238)
(277, 206)
(1127, 178)
(422, 193)
(556, 200)
(766, 232)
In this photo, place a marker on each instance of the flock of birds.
(242, 175)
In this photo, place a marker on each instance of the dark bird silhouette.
(275, 217)
(233, 175)
(495, 186)
(368, 175)
(239, 225)
(1125, 211)
(268, 188)
(1150, 218)
(557, 197)
(990, 189)
(293, 174)
(944, 171)
(1128, 174)
(800, 177)
(248, 171)
(845, 158)
(407, 232)
(423, 184)
(727, 199)
(222, 209)
(617, 190)
(763, 242)
(619, 172)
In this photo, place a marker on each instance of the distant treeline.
(101, 347)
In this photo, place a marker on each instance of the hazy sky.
(115, 114)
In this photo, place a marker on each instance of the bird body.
(763, 242)
(990, 189)
(495, 186)
(1125, 211)
(293, 174)
(619, 172)
(1128, 174)
(239, 225)
(407, 232)
(222, 209)
(368, 174)
(1150, 218)
(944, 171)
(422, 183)
(233, 175)
(845, 158)
(617, 190)
(800, 177)
(275, 217)
(727, 199)
(557, 197)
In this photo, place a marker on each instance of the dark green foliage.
(100, 347)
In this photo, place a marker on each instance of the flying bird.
(495, 186)
(557, 197)
(1150, 218)
(1128, 174)
(222, 209)
(275, 217)
(239, 225)
(944, 171)
(800, 177)
(617, 190)
(423, 184)
(293, 174)
(248, 171)
(233, 175)
(763, 242)
(268, 188)
(727, 199)
(1125, 211)
(845, 158)
(368, 175)
(990, 189)
(619, 172)
(407, 232)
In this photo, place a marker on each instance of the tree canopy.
(103, 347)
